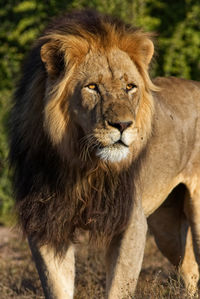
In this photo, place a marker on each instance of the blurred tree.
(21, 23)
(5, 185)
(179, 38)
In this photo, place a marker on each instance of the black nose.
(121, 126)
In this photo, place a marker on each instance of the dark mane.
(89, 21)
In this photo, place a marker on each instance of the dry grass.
(18, 277)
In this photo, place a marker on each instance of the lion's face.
(104, 104)
(98, 101)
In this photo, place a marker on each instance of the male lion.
(96, 146)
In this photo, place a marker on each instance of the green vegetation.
(178, 47)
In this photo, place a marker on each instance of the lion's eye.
(131, 87)
(92, 86)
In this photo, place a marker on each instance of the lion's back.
(180, 97)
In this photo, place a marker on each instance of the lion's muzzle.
(115, 140)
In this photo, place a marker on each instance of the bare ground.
(18, 277)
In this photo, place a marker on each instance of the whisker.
(87, 144)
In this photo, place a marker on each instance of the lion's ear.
(53, 58)
(147, 51)
(140, 48)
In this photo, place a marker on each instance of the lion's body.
(174, 142)
(97, 146)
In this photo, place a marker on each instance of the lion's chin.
(113, 153)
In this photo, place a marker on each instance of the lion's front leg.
(124, 257)
(56, 274)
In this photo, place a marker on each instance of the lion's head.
(82, 114)
(98, 88)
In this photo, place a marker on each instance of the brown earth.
(18, 277)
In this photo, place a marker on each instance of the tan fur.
(105, 158)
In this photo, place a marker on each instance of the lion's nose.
(121, 126)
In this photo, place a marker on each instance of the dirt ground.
(18, 277)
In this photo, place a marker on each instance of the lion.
(99, 147)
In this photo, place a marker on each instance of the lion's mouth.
(116, 144)
(120, 142)
(114, 152)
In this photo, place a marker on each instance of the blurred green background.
(177, 24)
